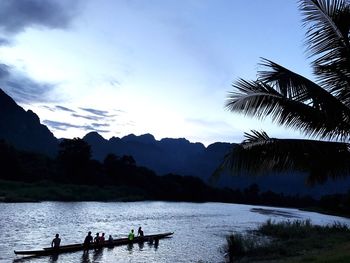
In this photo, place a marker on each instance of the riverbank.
(48, 191)
(320, 210)
(291, 241)
(14, 192)
(168, 188)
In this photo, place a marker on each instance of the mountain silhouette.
(165, 156)
(23, 129)
(182, 157)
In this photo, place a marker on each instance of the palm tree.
(320, 109)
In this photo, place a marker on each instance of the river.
(199, 229)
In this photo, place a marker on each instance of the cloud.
(102, 113)
(88, 117)
(47, 108)
(97, 125)
(4, 71)
(63, 126)
(60, 125)
(114, 83)
(16, 16)
(63, 108)
(22, 88)
(5, 41)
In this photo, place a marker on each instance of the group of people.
(131, 235)
(97, 240)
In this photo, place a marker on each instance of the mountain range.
(24, 131)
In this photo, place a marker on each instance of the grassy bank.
(49, 191)
(291, 241)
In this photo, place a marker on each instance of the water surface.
(199, 229)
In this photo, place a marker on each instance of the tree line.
(73, 165)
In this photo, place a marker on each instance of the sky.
(163, 67)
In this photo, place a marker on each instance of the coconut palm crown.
(320, 109)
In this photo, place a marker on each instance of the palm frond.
(261, 154)
(327, 40)
(319, 109)
(299, 88)
(255, 137)
(259, 99)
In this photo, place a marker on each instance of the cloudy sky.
(162, 67)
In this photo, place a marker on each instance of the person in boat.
(56, 242)
(140, 232)
(87, 241)
(97, 239)
(102, 238)
(131, 235)
(110, 239)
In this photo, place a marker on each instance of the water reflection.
(97, 255)
(53, 258)
(24, 259)
(130, 246)
(85, 257)
(153, 243)
(141, 245)
(156, 243)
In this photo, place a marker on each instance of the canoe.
(79, 247)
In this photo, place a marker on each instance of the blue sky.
(144, 66)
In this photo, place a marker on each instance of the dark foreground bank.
(291, 241)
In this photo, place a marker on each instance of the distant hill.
(183, 157)
(23, 129)
(165, 156)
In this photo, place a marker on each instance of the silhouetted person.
(131, 235)
(102, 238)
(140, 232)
(56, 242)
(87, 241)
(110, 240)
(97, 239)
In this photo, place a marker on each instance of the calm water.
(200, 229)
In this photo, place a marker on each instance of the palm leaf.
(327, 40)
(299, 88)
(259, 99)
(319, 109)
(260, 154)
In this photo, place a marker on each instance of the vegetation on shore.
(291, 241)
(74, 176)
(11, 191)
(14, 191)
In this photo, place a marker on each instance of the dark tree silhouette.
(74, 157)
(9, 162)
(320, 109)
(128, 160)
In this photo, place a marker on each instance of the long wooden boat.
(78, 247)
